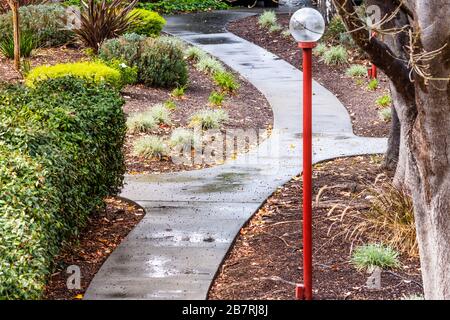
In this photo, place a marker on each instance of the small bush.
(129, 74)
(94, 72)
(170, 104)
(27, 44)
(150, 147)
(195, 54)
(141, 122)
(335, 56)
(126, 48)
(267, 19)
(162, 64)
(226, 81)
(60, 155)
(356, 71)
(384, 101)
(385, 114)
(335, 29)
(160, 114)
(373, 85)
(178, 92)
(208, 119)
(46, 22)
(375, 255)
(320, 49)
(216, 98)
(146, 22)
(209, 65)
(184, 139)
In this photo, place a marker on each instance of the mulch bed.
(266, 260)
(359, 101)
(104, 231)
(247, 109)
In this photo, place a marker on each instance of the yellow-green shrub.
(95, 72)
(146, 22)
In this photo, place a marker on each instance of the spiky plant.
(102, 20)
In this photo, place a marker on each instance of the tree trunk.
(14, 4)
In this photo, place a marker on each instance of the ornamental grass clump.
(150, 147)
(375, 255)
(208, 119)
(141, 122)
(195, 53)
(356, 71)
(209, 65)
(160, 114)
(184, 139)
(226, 81)
(335, 55)
(267, 19)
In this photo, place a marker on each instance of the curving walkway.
(193, 217)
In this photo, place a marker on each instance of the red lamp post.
(307, 26)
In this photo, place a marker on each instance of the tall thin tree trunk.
(14, 4)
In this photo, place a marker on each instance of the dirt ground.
(266, 260)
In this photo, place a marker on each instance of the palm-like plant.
(104, 19)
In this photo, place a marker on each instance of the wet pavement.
(193, 217)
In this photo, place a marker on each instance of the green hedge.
(60, 155)
(176, 6)
(146, 22)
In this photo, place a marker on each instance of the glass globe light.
(307, 25)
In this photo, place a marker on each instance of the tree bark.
(14, 5)
(423, 109)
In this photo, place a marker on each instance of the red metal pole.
(305, 291)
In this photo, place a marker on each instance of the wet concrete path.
(193, 217)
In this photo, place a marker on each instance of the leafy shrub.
(150, 147)
(275, 28)
(27, 44)
(184, 139)
(104, 19)
(320, 49)
(45, 22)
(373, 85)
(335, 28)
(226, 81)
(208, 119)
(177, 6)
(161, 114)
(209, 65)
(356, 71)
(95, 72)
(146, 22)
(60, 155)
(216, 98)
(335, 55)
(128, 74)
(159, 61)
(162, 64)
(384, 101)
(141, 122)
(195, 53)
(126, 48)
(375, 255)
(267, 19)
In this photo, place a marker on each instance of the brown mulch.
(359, 101)
(265, 262)
(104, 231)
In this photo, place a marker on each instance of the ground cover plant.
(175, 6)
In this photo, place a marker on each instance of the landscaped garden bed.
(352, 91)
(266, 258)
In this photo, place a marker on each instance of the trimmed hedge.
(60, 155)
(95, 72)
